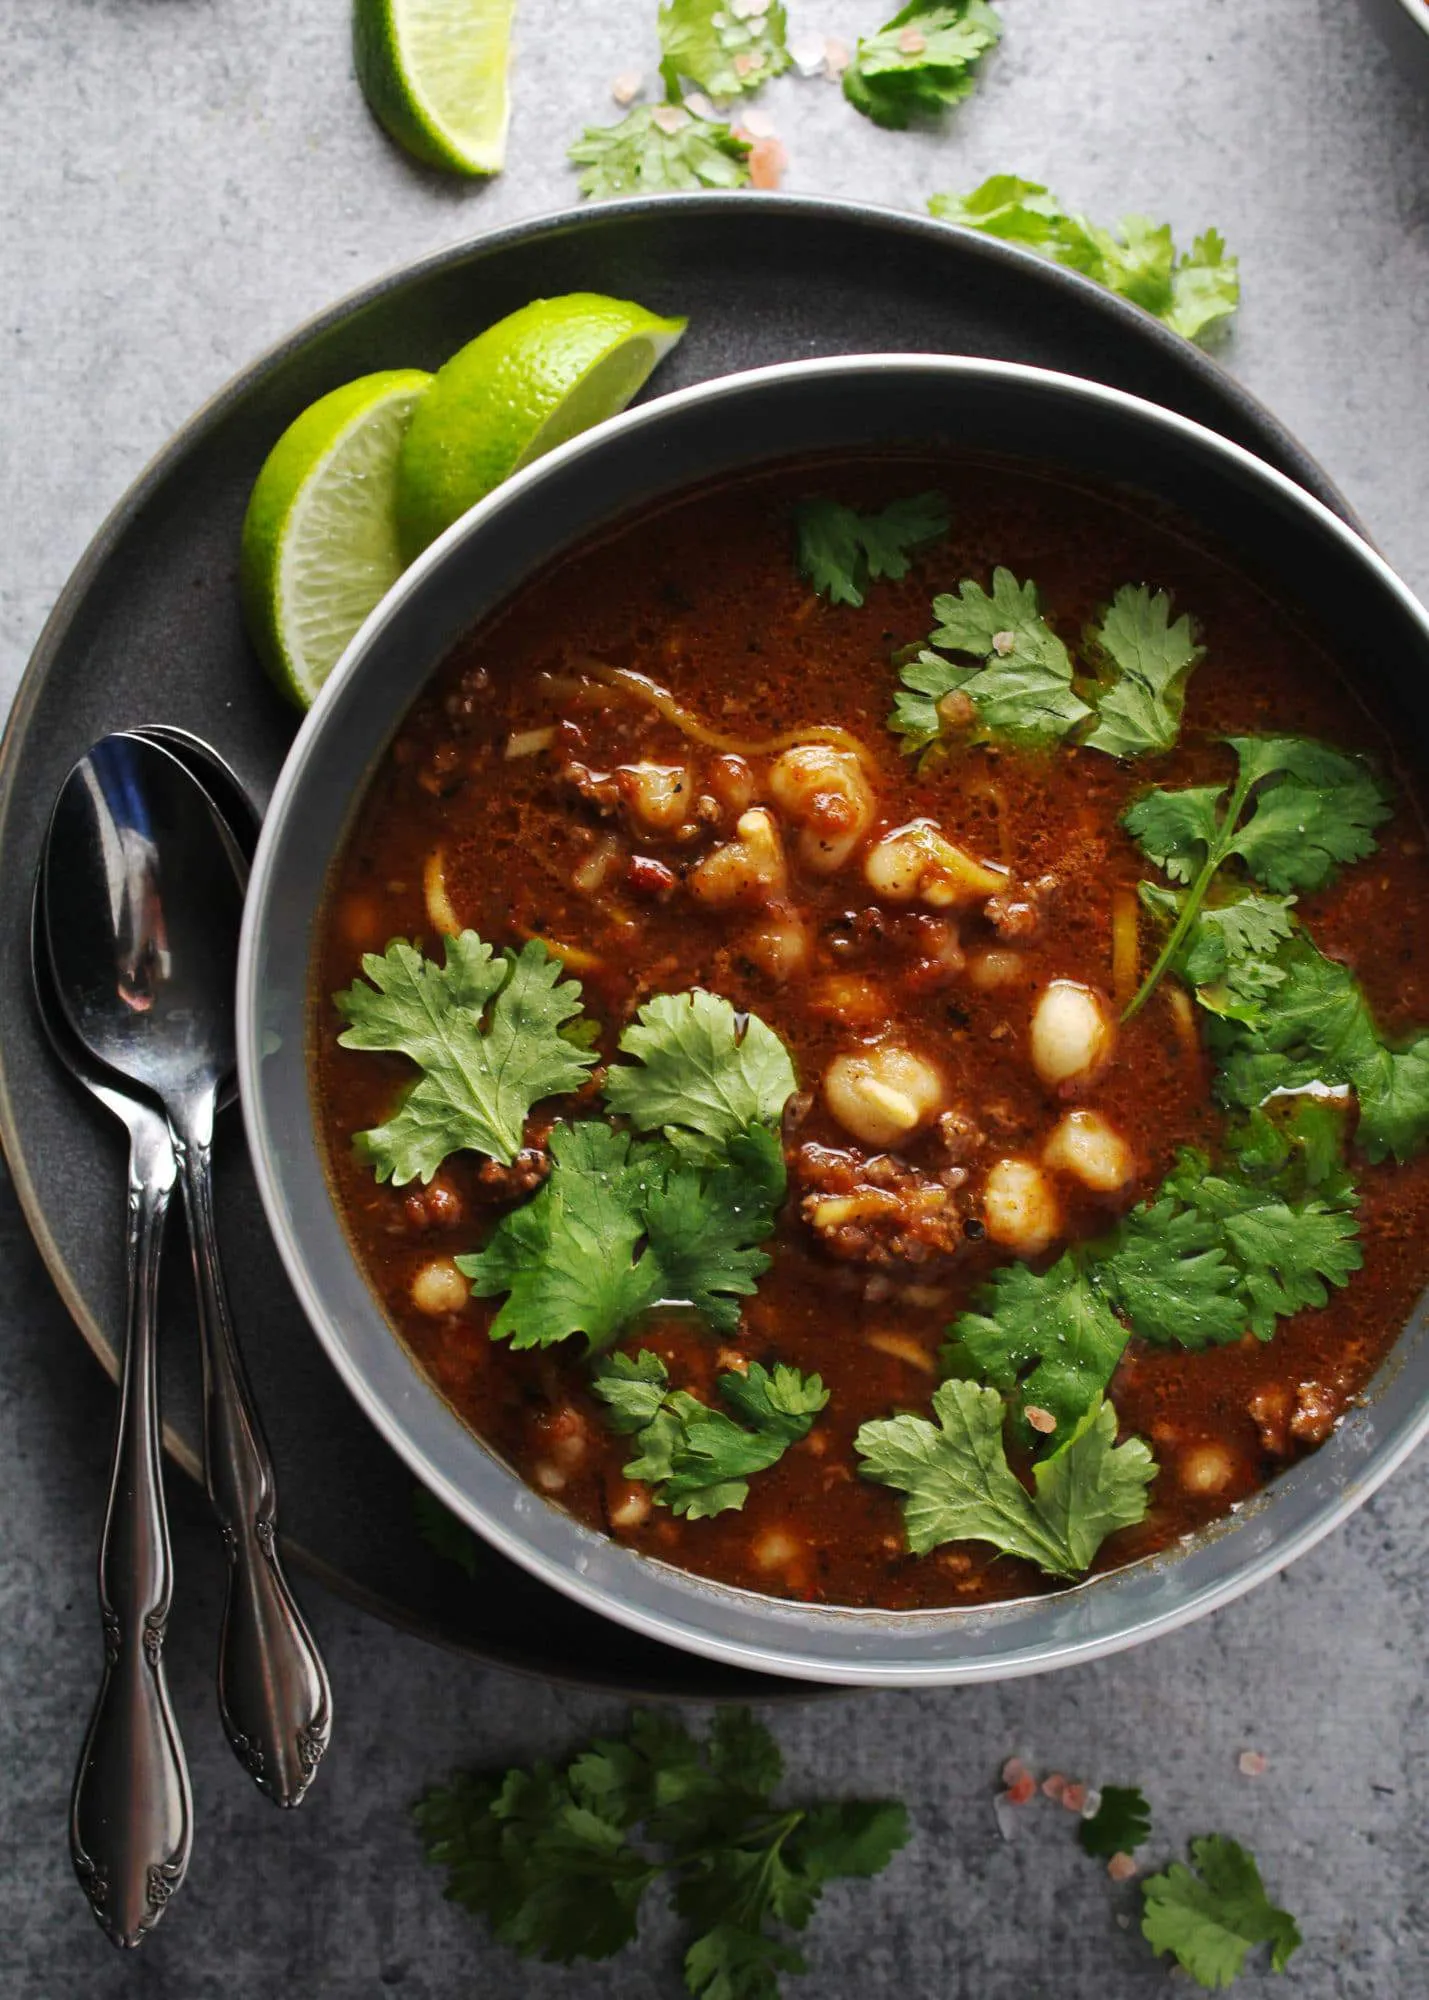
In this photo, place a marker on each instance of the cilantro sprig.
(701, 1073)
(699, 1460)
(659, 149)
(1209, 1920)
(841, 551)
(559, 1860)
(1028, 688)
(621, 1226)
(921, 62)
(719, 48)
(1296, 812)
(485, 1031)
(1191, 293)
(1213, 1255)
(958, 1485)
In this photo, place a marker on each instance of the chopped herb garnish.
(1297, 811)
(1022, 688)
(841, 551)
(1211, 1919)
(699, 1460)
(1120, 1823)
(720, 48)
(550, 1857)
(921, 62)
(1147, 658)
(659, 149)
(1191, 293)
(623, 1225)
(702, 1072)
(960, 1487)
(1214, 1255)
(485, 1030)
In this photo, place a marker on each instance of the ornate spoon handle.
(131, 1814)
(273, 1691)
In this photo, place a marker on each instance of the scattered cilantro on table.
(921, 62)
(1213, 1255)
(485, 1031)
(1296, 812)
(1209, 1920)
(621, 1226)
(958, 1485)
(1121, 1822)
(842, 551)
(698, 1459)
(1191, 293)
(554, 1858)
(720, 48)
(659, 149)
(702, 1072)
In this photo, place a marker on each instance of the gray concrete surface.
(187, 178)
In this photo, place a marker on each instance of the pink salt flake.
(697, 103)
(1022, 1790)
(758, 124)
(671, 118)
(626, 87)
(1053, 1785)
(1040, 1419)
(912, 42)
(767, 161)
(1253, 1763)
(748, 61)
(837, 57)
(1121, 1867)
(807, 54)
(1074, 1797)
(1012, 1770)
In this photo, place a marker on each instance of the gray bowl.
(1404, 26)
(1367, 617)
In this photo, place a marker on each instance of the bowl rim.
(1381, 1459)
(1418, 12)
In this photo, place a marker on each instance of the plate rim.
(191, 433)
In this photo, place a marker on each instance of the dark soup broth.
(925, 1099)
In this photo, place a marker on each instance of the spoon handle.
(273, 1691)
(131, 1812)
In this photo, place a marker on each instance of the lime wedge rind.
(435, 73)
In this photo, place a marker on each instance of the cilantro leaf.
(1296, 812)
(1322, 1032)
(1210, 1920)
(1150, 659)
(1023, 689)
(620, 1226)
(709, 44)
(1120, 1823)
(1166, 1270)
(841, 551)
(551, 1859)
(568, 1258)
(960, 1487)
(698, 1459)
(1230, 953)
(921, 62)
(1192, 293)
(702, 1072)
(440, 1529)
(485, 1032)
(659, 149)
(1055, 1319)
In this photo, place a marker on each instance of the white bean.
(825, 794)
(918, 862)
(1072, 1033)
(749, 869)
(1085, 1146)
(659, 795)
(439, 1288)
(1020, 1207)
(884, 1094)
(779, 946)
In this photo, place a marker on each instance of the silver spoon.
(142, 908)
(131, 1810)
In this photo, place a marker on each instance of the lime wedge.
(434, 73)
(320, 542)
(524, 386)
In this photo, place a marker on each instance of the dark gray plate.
(148, 630)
